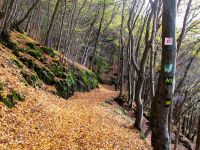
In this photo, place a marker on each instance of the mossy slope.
(38, 63)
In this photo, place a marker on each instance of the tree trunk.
(49, 31)
(141, 74)
(61, 26)
(121, 68)
(164, 92)
(16, 25)
(7, 15)
(98, 35)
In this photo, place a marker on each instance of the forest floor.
(84, 121)
(46, 121)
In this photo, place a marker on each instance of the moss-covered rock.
(45, 74)
(58, 70)
(17, 62)
(30, 78)
(12, 99)
(31, 45)
(66, 87)
(52, 72)
(11, 45)
(48, 51)
(28, 62)
(34, 50)
(87, 80)
(35, 53)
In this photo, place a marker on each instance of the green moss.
(31, 79)
(92, 78)
(89, 79)
(1, 86)
(70, 78)
(34, 50)
(16, 96)
(31, 45)
(21, 36)
(58, 70)
(45, 74)
(48, 51)
(13, 46)
(12, 99)
(8, 102)
(66, 87)
(63, 89)
(17, 62)
(35, 53)
(28, 62)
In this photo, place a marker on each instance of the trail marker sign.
(169, 41)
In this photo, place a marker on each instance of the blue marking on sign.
(168, 68)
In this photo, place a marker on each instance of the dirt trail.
(82, 122)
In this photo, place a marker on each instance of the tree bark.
(121, 68)
(7, 15)
(164, 92)
(16, 25)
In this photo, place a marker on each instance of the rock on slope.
(38, 66)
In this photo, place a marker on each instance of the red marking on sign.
(168, 41)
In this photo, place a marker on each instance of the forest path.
(84, 121)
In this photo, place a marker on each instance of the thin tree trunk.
(141, 77)
(16, 25)
(122, 50)
(49, 31)
(181, 37)
(61, 26)
(98, 35)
